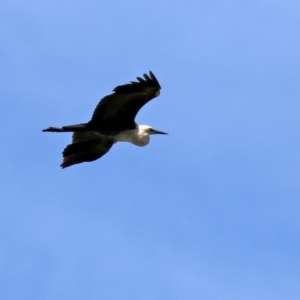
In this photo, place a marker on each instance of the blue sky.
(210, 211)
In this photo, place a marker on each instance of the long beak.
(154, 131)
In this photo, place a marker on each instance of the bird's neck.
(136, 136)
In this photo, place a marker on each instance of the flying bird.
(112, 121)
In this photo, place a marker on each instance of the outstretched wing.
(86, 146)
(117, 111)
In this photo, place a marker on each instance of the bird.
(113, 120)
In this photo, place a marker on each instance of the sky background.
(210, 211)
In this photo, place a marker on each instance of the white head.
(149, 130)
(144, 132)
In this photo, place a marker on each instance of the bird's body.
(112, 121)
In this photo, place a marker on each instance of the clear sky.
(210, 211)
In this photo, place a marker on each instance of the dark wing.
(86, 146)
(117, 111)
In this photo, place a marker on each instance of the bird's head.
(148, 130)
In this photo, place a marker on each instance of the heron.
(113, 121)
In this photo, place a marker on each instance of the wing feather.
(118, 110)
(85, 147)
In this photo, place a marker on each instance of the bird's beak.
(154, 131)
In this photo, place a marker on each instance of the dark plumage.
(113, 115)
(117, 111)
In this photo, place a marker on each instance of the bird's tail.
(69, 128)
